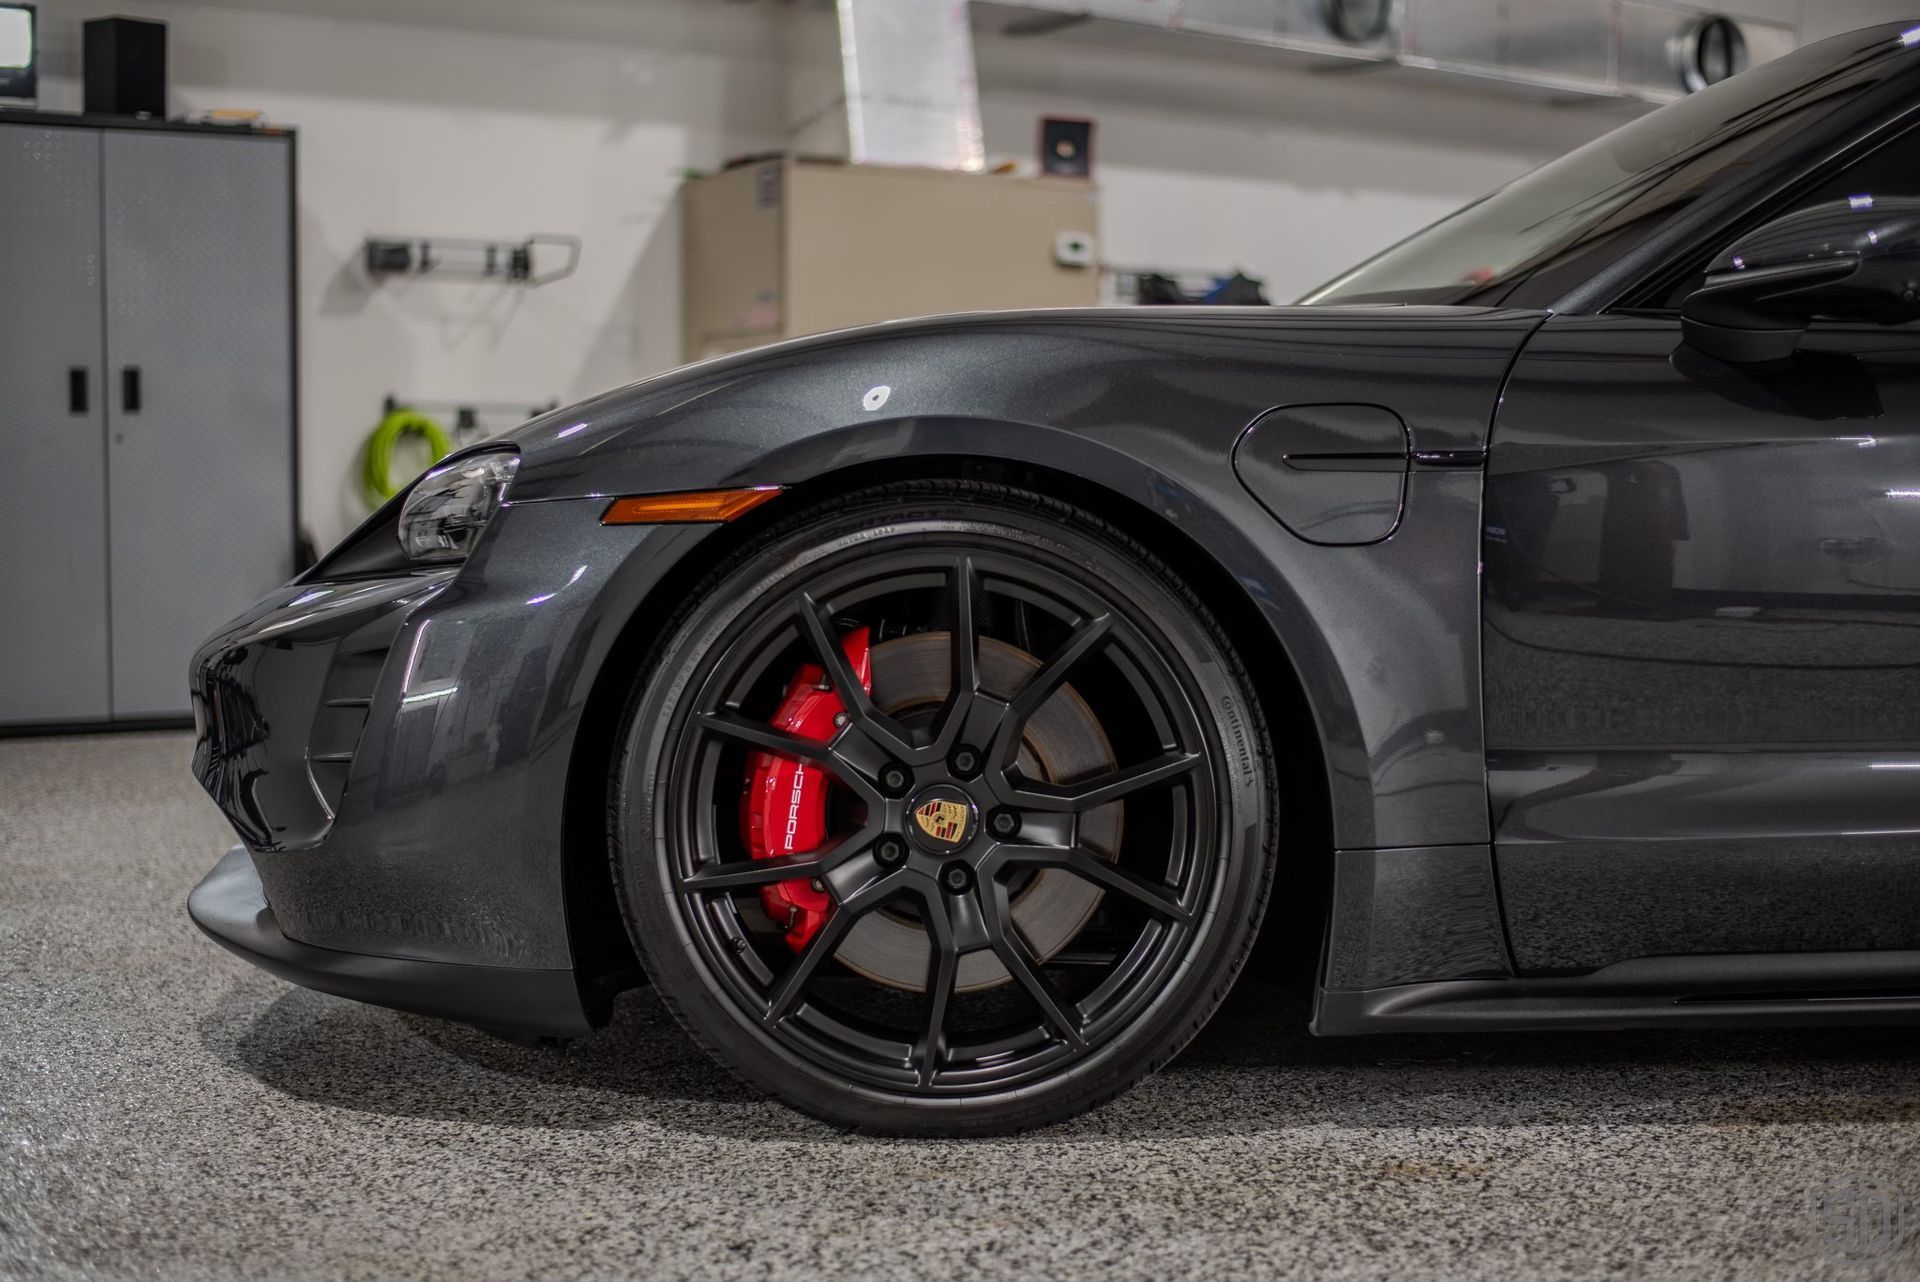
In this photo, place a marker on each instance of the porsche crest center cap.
(943, 820)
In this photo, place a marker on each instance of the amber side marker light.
(687, 507)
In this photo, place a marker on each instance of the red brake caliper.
(784, 810)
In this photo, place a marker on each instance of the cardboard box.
(788, 247)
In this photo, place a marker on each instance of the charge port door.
(1332, 474)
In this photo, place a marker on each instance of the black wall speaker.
(1066, 147)
(126, 67)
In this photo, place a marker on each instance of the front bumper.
(396, 753)
(230, 905)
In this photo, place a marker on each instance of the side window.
(1892, 169)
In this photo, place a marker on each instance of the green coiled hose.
(376, 465)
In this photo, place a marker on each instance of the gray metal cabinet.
(146, 407)
(53, 503)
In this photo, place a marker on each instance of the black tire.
(823, 1043)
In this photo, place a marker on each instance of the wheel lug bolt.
(965, 762)
(1003, 823)
(894, 778)
(957, 877)
(889, 850)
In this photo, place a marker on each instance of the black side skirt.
(1718, 990)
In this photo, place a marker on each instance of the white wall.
(469, 118)
(1289, 175)
(495, 118)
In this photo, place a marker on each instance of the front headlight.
(449, 507)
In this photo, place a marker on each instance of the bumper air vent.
(342, 715)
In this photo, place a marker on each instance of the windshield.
(1619, 189)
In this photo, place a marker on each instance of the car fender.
(1147, 404)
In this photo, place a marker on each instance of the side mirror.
(1856, 259)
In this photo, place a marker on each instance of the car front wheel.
(943, 808)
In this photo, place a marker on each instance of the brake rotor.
(1063, 743)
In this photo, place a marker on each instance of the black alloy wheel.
(1048, 818)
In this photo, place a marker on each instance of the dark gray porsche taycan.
(931, 711)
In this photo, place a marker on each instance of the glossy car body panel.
(1641, 796)
(1148, 406)
(1577, 907)
(1147, 384)
(1703, 645)
(1401, 916)
(1683, 553)
(281, 696)
(446, 845)
(1332, 474)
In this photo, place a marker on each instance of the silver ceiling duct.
(1650, 50)
(884, 82)
(892, 81)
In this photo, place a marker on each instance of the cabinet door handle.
(130, 389)
(77, 390)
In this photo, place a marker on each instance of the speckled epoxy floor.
(167, 1112)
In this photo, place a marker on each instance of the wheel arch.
(1290, 941)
